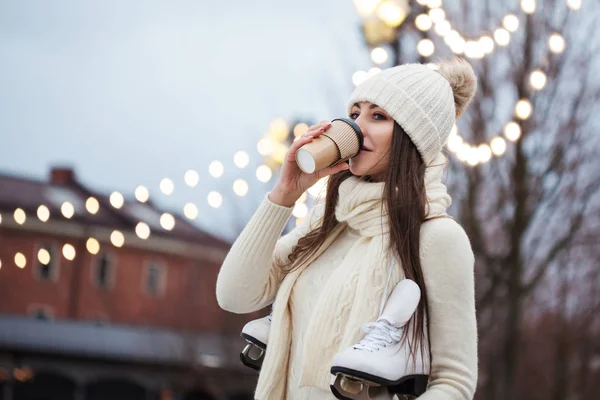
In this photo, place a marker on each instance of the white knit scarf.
(353, 293)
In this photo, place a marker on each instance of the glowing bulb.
(359, 77)
(487, 44)
(423, 22)
(240, 187)
(391, 13)
(463, 152)
(91, 205)
(20, 216)
(537, 79)
(300, 129)
(473, 156)
(528, 6)
(215, 199)
(190, 210)
(512, 131)
(457, 42)
(43, 213)
(191, 178)
(92, 245)
(142, 194)
(215, 169)
(523, 109)
(142, 230)
(20, 260)
(484, 153)
(502, 36)
(43, 256)
(117, 239)
(455, 143)
(116, 200)
(264, 174)
(68, 252)
(300, 210)
(473, 49)
(556, 43)
(425, 47)
(241, 159)
(510, 22)
(378, 55)
(498, 146)
(574, 4)
(443, 28)
(167, 221)
(167, 186)
(366, 7)
(437, 15)
(278, 129)
(264, 147)
(434, 3)
(67, 210)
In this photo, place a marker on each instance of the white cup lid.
(305, 161)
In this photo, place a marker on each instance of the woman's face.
(377, 128)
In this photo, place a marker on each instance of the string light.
(264, 147)
(167, 221)
(512, 131)
(91, 205)
(556, 43)
(67, 210)
(191, 178)
(264, 174)
(190, 210)
(510, 22)
(241, 159)
(215, 199)
(117, 238)
(523, 109)
(216, 169)
(498, 146)
(92, 245)
(116, 200)
(142, 194)
(537, 79)
(68, 252)
(502, 36)
(301, 128)
(423, 22)
(378, 55)
(437, 15)
(528, 6)
(425, 47)
(20, 260)
(142, 230)
(240, 187)
(574, 4)
(20, 216)
(167, 186)
(43, 213)
(43, 256)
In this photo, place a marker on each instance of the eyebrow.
(372, 106)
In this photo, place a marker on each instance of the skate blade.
(248, 360)
(340, 393)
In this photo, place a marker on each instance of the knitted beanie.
(423, 101)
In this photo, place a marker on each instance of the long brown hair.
(405, 199)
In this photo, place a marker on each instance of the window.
(155, 278)
(41, 312)
(46, 260)
(103, 271)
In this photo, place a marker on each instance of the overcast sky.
(130, 92)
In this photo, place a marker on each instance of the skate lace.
(379, 334)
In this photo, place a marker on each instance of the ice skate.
(256, 333)
(380, 359)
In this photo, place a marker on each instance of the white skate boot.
(379, 359)
(256, 333)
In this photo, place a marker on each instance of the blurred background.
(137, 138)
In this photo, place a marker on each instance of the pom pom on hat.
(463, 82)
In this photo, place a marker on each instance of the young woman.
(328, 275)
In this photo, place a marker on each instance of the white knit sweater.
(248, 281)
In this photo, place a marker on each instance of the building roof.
(116, 343)
(28, 194)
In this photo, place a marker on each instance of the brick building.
(92, 307)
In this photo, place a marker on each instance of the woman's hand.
(292, 180)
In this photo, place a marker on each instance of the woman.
(328, 275)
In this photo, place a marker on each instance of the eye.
(353, 115)
(379, 116)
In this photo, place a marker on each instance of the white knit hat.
(423, 101)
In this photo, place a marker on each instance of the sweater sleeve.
(249, 278)
(448, 269)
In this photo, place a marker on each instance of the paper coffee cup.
(343, 140)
